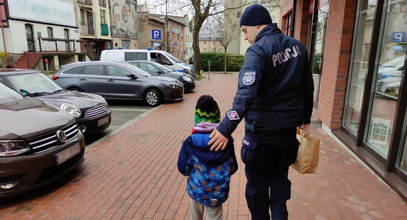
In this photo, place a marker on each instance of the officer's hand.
(305, 127)
(218, 141)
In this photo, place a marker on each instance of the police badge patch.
(249, 78)
(232, 115)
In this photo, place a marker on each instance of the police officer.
(274, 95)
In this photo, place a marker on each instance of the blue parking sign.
(398, 36)
(156, 34)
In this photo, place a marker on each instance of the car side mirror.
(401, 68)
(159, 72)
(132, 76)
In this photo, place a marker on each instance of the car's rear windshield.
(33, 83)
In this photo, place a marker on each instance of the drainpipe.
(2, 29)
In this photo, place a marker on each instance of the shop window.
(317, 31)
(359, 65)
(389, 72)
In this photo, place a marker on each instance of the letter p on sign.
(398, 36)
(156, 34)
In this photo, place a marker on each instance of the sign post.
(46, 64)
(209, 69)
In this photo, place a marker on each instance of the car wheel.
(75, 89)
(153, 97)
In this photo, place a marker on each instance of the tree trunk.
(195, 46)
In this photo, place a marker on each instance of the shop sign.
(176, 31)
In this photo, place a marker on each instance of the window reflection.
(359, 63)
(389, 73)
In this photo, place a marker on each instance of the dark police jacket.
(275, 89)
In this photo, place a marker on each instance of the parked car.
(389, 86)
(38, 143)
(156, 69)
(389, 77)
(121, 81)
(159, 56)
(392, 68)
(91, 111)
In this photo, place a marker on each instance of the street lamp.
(166, 26)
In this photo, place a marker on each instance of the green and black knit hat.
(207, 110)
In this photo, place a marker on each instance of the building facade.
(93, 18)
(358, 56)
(125, 23)
(35, 35)
(151, 32)
(210, 44)
(173, 35)
(176, 40)
(189, 50)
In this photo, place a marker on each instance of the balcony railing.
(58, 45)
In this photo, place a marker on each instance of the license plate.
(103, 121)
(67, 153)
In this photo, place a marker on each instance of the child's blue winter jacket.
(209, 171)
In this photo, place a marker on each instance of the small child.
(209, 171)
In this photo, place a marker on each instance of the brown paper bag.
(308, 153)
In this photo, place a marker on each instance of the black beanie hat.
(255, 15)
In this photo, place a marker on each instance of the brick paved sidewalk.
(132, 175)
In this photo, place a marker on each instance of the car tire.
(75, 89)
(153, 97)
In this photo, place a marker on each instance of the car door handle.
(110, 80)
(82, 79)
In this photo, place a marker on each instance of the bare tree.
(201, 10)
(225, 33)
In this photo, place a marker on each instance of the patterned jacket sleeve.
(184, 160)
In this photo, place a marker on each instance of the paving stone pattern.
(132, 175)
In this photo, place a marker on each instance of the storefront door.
(317, 40)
